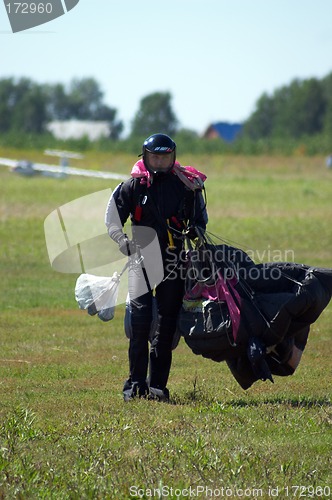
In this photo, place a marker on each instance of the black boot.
(159, 394)
(132, 390)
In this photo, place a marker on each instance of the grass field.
(65, 432)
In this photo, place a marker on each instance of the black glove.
(126, 246)
(256, 354)
(193, 232)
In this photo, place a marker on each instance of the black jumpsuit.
(166, 206)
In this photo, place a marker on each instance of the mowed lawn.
(65, 432)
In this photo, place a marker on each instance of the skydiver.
(167, 197)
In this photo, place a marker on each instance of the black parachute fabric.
(255, 317)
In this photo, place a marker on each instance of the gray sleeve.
(115, 215)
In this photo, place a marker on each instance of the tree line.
(302, 108)
(300, 111)
(27, 107)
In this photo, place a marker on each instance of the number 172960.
(29, 8)
(308, 491)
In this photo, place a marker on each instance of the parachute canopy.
(256, 317)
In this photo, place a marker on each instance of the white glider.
(28, 168)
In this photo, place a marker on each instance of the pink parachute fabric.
(220, 291)
(190, 176)
(233, 301)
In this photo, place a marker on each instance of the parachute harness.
(227, 287)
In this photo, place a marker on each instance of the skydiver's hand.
(126, 246)
(194, 232)
(191, 232)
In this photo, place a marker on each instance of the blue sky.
(215, 57)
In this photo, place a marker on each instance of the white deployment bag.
(98, 295)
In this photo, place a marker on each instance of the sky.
(215, 57)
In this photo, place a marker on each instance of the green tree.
(58, 107)
(154, 115)
(7, 100)
(292, 111)
(29, 114)
(84, 98)
(327, 89)
(300, 109)
(260, 124)
(22, 106)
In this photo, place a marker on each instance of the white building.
(76, 129)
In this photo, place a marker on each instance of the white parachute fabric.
(97, 294)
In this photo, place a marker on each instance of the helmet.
(160, 144)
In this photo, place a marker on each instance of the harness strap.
(154, 210)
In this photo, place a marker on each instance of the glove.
(126, 246)
(256, 354)
(192, 232)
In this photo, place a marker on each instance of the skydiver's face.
(159, 163)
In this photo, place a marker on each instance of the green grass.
(65, 432)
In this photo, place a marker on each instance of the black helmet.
(159, 144)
